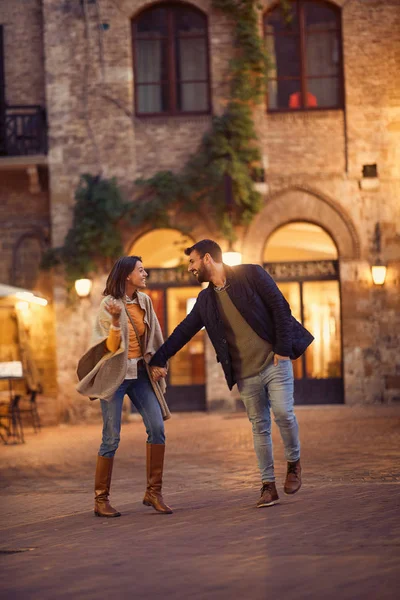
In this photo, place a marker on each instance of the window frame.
(302, 36)
(172, 56)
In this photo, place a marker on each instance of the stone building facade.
(75, 59)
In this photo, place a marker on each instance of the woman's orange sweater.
(114, 337)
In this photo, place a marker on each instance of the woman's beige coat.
(101, 372)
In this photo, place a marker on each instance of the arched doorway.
(173, 291)
(302, 259)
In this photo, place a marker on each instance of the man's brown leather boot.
(102, 506)
(269, 495)
(154, 467)
(293, 477)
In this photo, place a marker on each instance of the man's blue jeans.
(142, 395)
(271, 389)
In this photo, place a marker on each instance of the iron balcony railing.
(23, 131)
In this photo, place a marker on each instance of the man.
(255, 337)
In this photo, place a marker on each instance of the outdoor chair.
(31, 409)
(11, 430)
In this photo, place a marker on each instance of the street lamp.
(83, 287)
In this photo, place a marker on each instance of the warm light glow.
(83, 287)
(190, 302)
(378, 274)
(232, 258)
(29, 297)
(22, 306)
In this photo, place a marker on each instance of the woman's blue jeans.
(272, 389)
(142, 396)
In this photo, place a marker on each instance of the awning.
(9, 291)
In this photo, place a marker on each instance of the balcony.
(23, 142)
(23, 131)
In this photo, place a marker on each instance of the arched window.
(306, 51)
(162, 248)
(170, 49)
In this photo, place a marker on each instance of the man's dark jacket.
(261, 304)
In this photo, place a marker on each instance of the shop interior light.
(83, 287)
(22, 306)
(190, 302)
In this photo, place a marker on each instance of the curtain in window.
(273, 72)
(148, 70)
(193, 66)
(322, 58)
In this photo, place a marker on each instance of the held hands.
(278, 357)
(157, 373)
(114, 309)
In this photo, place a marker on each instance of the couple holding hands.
(255, 337)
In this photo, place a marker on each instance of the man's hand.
(278, 357)
(157, 373)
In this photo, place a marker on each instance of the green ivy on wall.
(230, 147)
(94, 233)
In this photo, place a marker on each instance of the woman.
(125, 337)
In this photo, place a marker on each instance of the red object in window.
(295, 100)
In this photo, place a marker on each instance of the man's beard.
(202, 275)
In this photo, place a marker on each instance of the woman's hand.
(158, 372)
(114, 309)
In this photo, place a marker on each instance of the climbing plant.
(94, 233)
(230, 148)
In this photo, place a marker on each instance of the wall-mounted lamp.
(83, 287)
(378, 272)
(232, 258)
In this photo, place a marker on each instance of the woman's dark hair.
(206, 247)
(116, 280)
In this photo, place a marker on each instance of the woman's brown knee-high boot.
(154, 466)
(102, 506)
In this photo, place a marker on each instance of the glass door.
(322, 317)
(318, 373)
(186, 372)
(186, 367)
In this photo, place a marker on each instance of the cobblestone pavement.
(339, 537)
